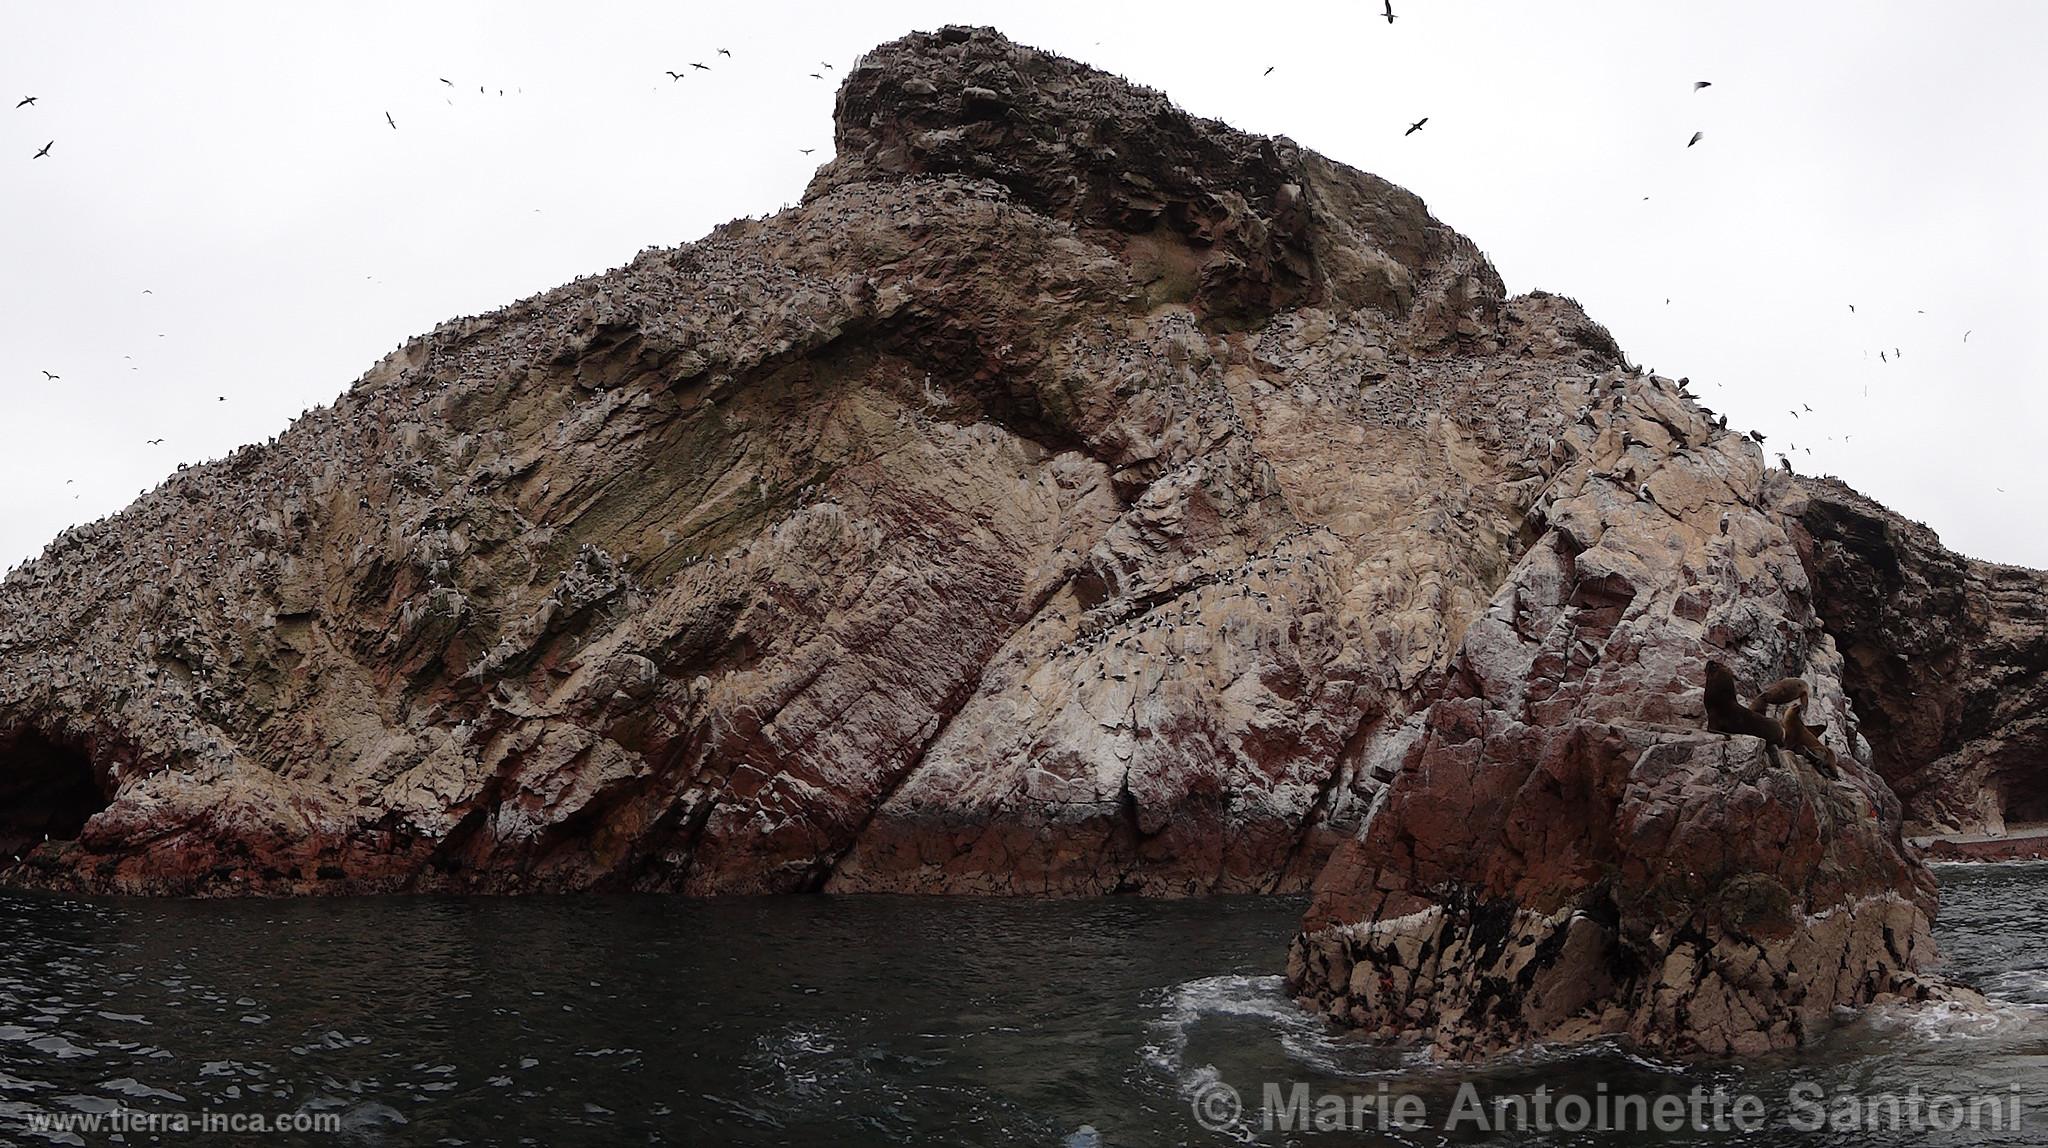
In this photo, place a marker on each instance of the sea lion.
(1806, 739)
(1727, 714)
(1781, 691)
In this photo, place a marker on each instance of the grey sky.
(234, 161)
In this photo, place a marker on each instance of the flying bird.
(447, 81)
(824, 65)
(26, 101)
(726, 54)
(52, 378)
(1795, 414)
(389, 120)
(1267, 72)
(1966, 335)
(806, 150)
(1852, 308)
(45, 151)
(816, 76)
(156, 442)
(1696, 137)
(1389, 10)
(1881, 358)
(675, 75)
(700, 67)
(1698, 84)
(1416, 126)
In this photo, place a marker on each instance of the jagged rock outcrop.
(1946, 661)
(1069, 496)
(1566, 854)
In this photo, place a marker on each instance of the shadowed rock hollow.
(1069, 496)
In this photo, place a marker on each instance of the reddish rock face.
(1567, 853)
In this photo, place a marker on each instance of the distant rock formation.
(1946, 661)
(1069, 496)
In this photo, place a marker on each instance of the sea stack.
(1068, 496)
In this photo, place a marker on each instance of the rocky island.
(1068, 496)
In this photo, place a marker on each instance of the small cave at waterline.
(49, 788)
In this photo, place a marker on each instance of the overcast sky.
(226, 214)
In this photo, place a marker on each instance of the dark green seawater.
(863, 1021)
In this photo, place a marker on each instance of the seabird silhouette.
(389, 120)
(1696, 137)
(1416, 126)
(1698, 84)
(1389, 10)
(45, 151)
(26, 101)
(52, 378)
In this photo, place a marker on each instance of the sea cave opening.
(48, 789)
(2023, 798)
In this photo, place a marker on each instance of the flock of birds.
(1887, 357)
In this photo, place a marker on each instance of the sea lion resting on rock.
(1781, 691)
(1806, 739)
(1727, 714)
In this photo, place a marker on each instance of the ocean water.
(885, 1021)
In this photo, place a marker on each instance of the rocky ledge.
(1068, 496)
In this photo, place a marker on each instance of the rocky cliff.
(1068, 496)
(1946, 660)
